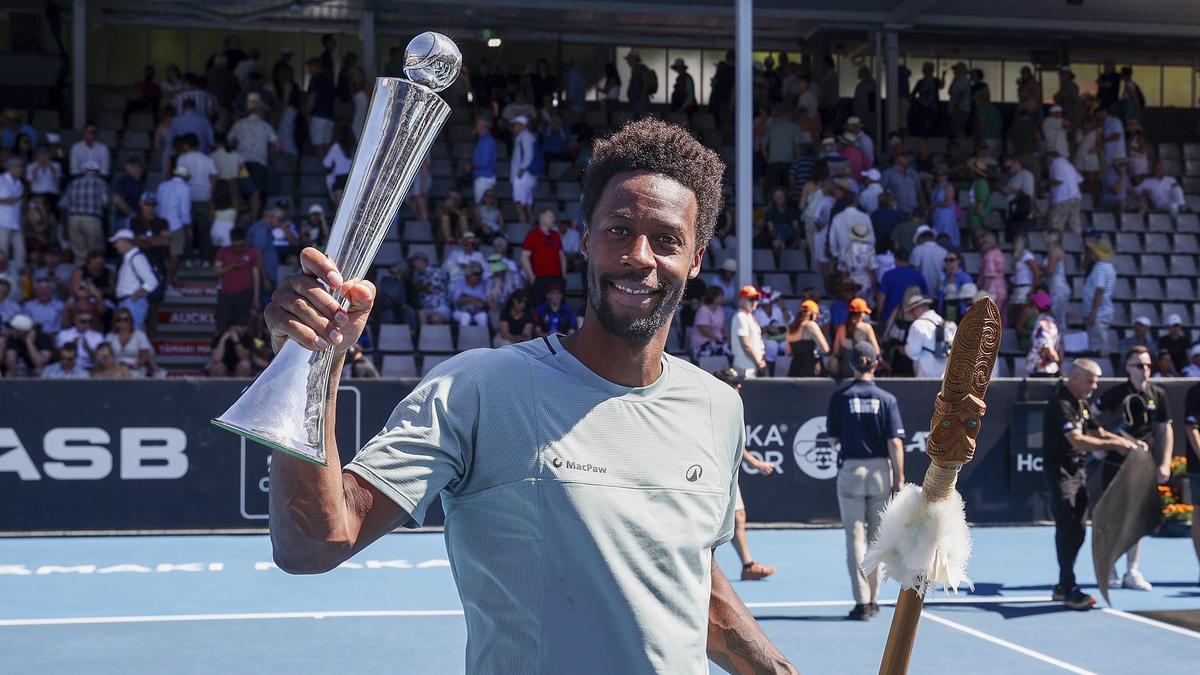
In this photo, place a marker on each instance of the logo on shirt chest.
(694, 473)
(560, 463)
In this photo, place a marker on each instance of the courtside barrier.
(129, 456)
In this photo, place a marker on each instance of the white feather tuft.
(921, 543)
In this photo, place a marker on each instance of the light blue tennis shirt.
(580, 515)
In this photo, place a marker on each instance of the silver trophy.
(284, 408)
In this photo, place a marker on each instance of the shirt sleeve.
(833, 421)
(741, 326)
(428, 441)
(1066, 417)
(895, 423)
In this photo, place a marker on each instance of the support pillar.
(743, 185)
(79, 64)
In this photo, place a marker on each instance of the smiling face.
(641, 251)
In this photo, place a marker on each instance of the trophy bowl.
(284, 408)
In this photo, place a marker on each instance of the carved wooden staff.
(923, 536)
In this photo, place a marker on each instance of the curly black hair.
(648, 144)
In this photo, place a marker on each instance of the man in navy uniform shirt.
(866, 420)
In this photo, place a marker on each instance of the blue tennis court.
(205, 604)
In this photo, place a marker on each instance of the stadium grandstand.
(963, 100)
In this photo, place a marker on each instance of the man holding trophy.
(581, 520)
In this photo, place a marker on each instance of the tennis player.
(587, 479)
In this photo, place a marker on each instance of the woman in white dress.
(130, 346)
(337, 162)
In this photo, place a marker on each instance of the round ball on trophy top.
(433, 60)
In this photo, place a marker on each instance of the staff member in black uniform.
(1136, 409)
(1068, 433)
(1192, 412)
(866, 420)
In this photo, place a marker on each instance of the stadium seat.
(473, 337)
(435, 339)
(556, 169)
(793, 260)
(395, 337)
(568, 191)
(783, 363)
(516, 233)
(1128, 243)
(312, 185)
(1153, 265)
(396, 365)
(1183, 265)
(1160, 222)
(140, 121)
(1158, 243)
(1072, 243)
(1148, 288)
(1104, 221)
(763, 260)
(779, 281)
(1191, 150)
(810, 280)
(312, 165)
(1121, 314)
(711, 363)
(1174, 167)
(389, 253)
(109, 119)
(1125, 264)
(1191, 167)
(1185, 243)
(971, 261)
(1180, 289)
(428, 363)
(1187, 223)
(574, 282)
(1168, 151)
(1019, 366)
(46, 120)
(418, 230)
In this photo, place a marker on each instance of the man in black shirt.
(318, 107)
(866, 420)
(1137, 409)
(153, 235)
(1176, 342)
(1068, 433)
(1192, 413)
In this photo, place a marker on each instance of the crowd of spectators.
(87, 245)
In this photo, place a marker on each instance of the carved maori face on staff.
(959, 406)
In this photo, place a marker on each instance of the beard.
(638, 328)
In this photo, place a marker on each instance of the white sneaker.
(1134, 579)
(1114, 580)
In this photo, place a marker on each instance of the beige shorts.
(178, 241)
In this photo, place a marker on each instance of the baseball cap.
(418, 254)
(468, 236)
(769, 294)
(149, 198)
(123, 233)
(316, 208)
(749, 291)
(183, 172)
(854, 122)
(1056, 108)
(730, 265)
(21, 322)
(810, 306)
(521, 119)
(1174, 320)
(920, 231)
(1143, 321)
(873, 174)
(864, 356)
(859, 306)
(5, 279)
(1195, 347)
(967, 291)
(53, 139)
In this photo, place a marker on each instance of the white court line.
(247, 616)
(1005, 643)
(1152, 622)
(260, 616)
(954, 600)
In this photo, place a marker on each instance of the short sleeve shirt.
(1064, 415)
(558, 529)
(242, 279)
(864, 418)
(744, 325)
(1139, 411)
(543, 248)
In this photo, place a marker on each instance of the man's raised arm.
(320, 515)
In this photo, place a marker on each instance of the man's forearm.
(310, 527)
(736, 642)
(896, 454)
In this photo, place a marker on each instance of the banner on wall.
(128, 456)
